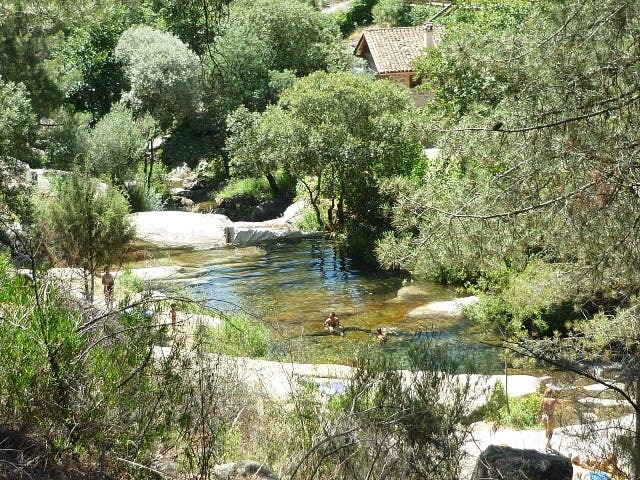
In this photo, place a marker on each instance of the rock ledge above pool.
(174, 229)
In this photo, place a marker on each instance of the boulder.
(506, 463)
(243, 470)
(181, 229)
(267, 210)
(248, 233)
(447, 309)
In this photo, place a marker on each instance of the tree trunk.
(275, 190)
(151, 160)
(636, 450)
(93, 281)
(506, 380)
(341, 217)
(314, 202)
(330, 212)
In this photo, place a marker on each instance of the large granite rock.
(253, 233)
(243, 470)
(447, 309)
(173, 229)
(181, 229)
(506, 463)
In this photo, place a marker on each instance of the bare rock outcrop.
(245, 470)
(506, 463)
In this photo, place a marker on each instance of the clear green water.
(294, 286)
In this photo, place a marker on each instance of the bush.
(521, 413)
(75, 387)
(419, 412)
(238, 336)
(392, 13)
(358, 15)
(256, 187)
(308, 222)
(420, 14)
(143, 200)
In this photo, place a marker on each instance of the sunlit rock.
(447, 309)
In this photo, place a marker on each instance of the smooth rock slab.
(447, 309)
(181, 229)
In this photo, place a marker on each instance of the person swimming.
(332, 322)
(381, 335)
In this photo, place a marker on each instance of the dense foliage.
(346, 132)
(538, 156)
(532, 201)
(85, 225)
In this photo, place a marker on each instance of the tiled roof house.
(390, 52)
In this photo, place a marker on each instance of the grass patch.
(308, 221)
(258, 187)
(238, 336)
(520, 414)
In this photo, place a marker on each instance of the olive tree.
(164, 78)
(163, 74)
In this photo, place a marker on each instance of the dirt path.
(337, 7)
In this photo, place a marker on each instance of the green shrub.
(238, 336)
(258, 187)
(143, 200)
(131, 282)
(420, 14)
(76, 387)
(521, 412)
(392, 13)
(308, 222)
(358, 15)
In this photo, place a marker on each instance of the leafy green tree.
(17, 141)
(86, 224)
(345, 131)
(163, 74)
(264, 46)
(196, 23)
(116, 145)
(66, 141)
(25, 34)
(522, 177)
(538, 163)
(392, 13)
(85, 64)
(474, 26)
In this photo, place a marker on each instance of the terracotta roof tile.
(394, 49)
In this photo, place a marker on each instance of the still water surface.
(294, 286)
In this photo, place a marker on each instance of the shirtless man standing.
(547, 413)
(108, 283)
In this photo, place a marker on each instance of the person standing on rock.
(108, 284)
(546, 413)
(173, 313)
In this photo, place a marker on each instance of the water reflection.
(293, 287)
